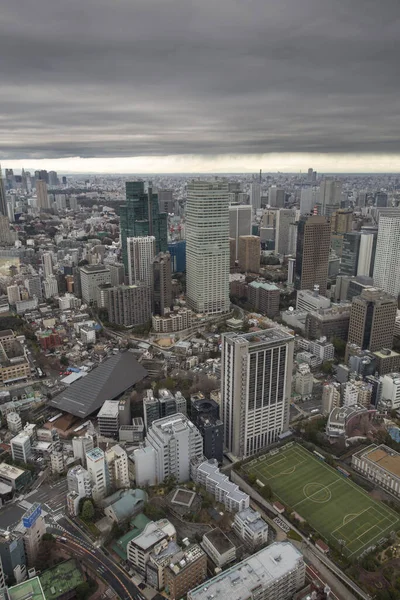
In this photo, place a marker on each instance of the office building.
(14, 477)
(255, 195)
(3, 200)
(128, 305)
(381, 465)
(264, 297)
(34, 286)
(140, 217)
(207, 246)
(35, 528)
(21, 447)
(117, 274)
(162, 283)
(43, 200)
(342, 221)
(386, 361)
(276, 197)
(219, 547)
(187, 569)
(98, 473)
(331, 397)
(112, 415)
(350, 253)
(7, 236)
(141, 253)
(205, 416)
(91, 277)
(381, 199)
(273, 573)
(251, 528)
(308, 300)
(308, 200)
(304, 381)
(240, 218)
(330, 197)
(166, 201)
(284, 219)
(141, 546)
(118, 470)
(372, 319)
(387, 257)
(79, 487)
(366, 257)
(312, 253)
(12, 553)
(255, 388)
(177, 251)
(249, 254)
(390, 391)
(165, 405)
(14, 422)
(47, 261)
(175, 442)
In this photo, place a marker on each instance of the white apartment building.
(366, 253)
(240, 219)
(174, 321)
(304, 381)
(256, 386)
(284, 219)
(141, 252)
(207, 473)
(21, 447)
(41, 194)
(357, 393)
(140, 548)
(118, 469)
(98, 473)
(13, 294)
(14, 422)
(175, 441)
(322, 349)
(255, 195)
(47, 264)
(91, 277)
(78, 487)
(387, 256)
(390, 391)
(330, 397)
(308, 199)
(251, 528)
(81, 445)
(274, 573)
(50, 286)
(207, 246)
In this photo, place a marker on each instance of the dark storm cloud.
(155, 77)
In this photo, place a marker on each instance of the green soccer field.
(338, 509)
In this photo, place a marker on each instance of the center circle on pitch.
(316, 492)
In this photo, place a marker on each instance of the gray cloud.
(156, 77)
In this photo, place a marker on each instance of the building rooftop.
(138, 525)
(109, 380)
(109, 409)
(383, 457)
(95, 454)
(260, 570)
(94, 269)
(61, 579)
(154, 532)
(185, 557)
(270, 287)
(27, 590)
(219, 540)
(266, 336)
(252, 519)
(6, 333)
(10, 472)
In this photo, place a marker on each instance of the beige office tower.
(312, 253)
(284, 219)
(256, 386)
(342, 221)
(141, 252)
(249, 253)
(240, 217)
(330, 196)
(372, 320)
(41, 193)
(207, 246)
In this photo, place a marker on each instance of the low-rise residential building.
(21, 447)
(219, 547)
(330, 397)
(173, 321)
(112, 415)
(118, 470)
(304, 381)
(207, 473)
(390, 391)
(79, 487)
(187, 569)
(14, 422)
(381, 465)
(274, 573)
(251, 528)
(13, 476)
(140, 548)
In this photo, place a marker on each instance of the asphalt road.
(51, 496)
(116, 578)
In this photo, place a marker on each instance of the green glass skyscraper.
(140, 217)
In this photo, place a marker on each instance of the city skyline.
(156, 87)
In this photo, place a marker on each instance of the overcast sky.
(205, 85)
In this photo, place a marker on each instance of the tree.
(266, 492)
(251, 478)
(327, 367)
(340, 346)
(87, 510)
(64, 360)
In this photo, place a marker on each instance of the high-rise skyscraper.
(350, 253)
(312, 253)
(128, 305)
(330, 196)
(140, 217)
(249, 253)
(387, 257)
(42, 195)
(372, 320)
(162, 283)
(308, 200)
(276, 197)
(256, 385)
(240, 217)
(366, 258)
(207, 246)
(166, 201)
(255, 195)
(47, 264)
(3, 202)
(284, 219)
(140, 253)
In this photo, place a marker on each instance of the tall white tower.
(207, 246)
(255, 195)
(387, 257)
(256, 385)
(141, 252)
